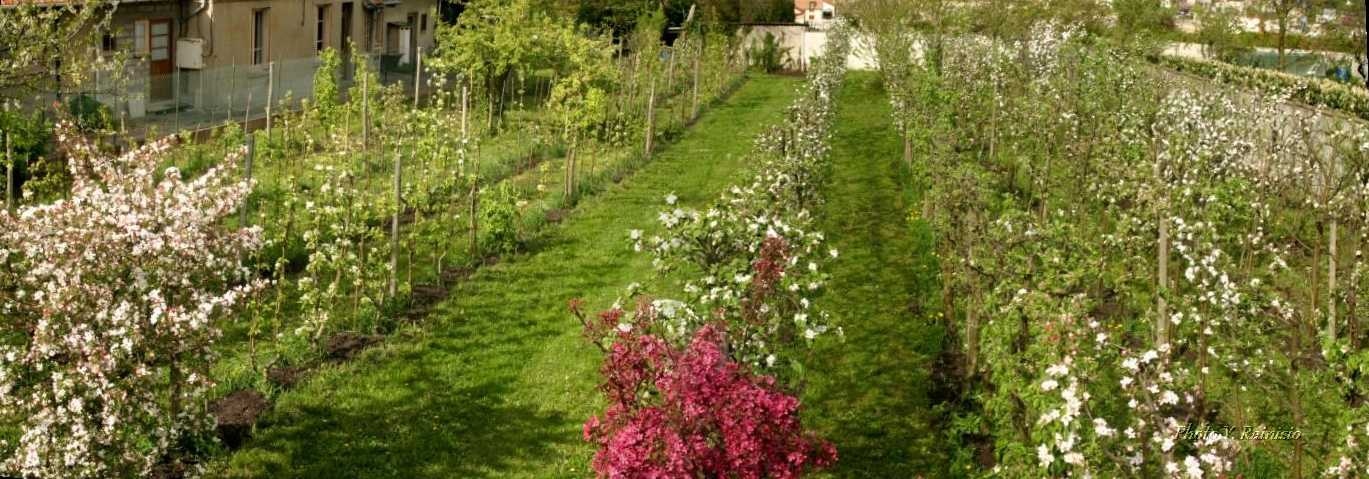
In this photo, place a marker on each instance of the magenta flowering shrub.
(110, 300)
(691, 411)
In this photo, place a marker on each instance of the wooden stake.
(1331, 283)
(651, 118)
(394, 225)
(270, 93)
(365, 112)
(10, 197)
(1162, 258)
(418, 74)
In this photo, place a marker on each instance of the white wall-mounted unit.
(190, 53)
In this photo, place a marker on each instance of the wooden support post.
(270, 93)
(394, 224)
(11, 199)
(365, 110)
(475, 224)
(650, 118)
(1331, 331)
(695, 111)
(418, 75)
(1162, 282)
(233, 86)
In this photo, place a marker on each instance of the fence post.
(418, 74)
(365, 109)
(233, 87)
(651, 117)
(270, 93)
(475, 225)
(394, 225)
(695, 111)
(176, 94)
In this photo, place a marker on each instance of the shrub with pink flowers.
(691, 411)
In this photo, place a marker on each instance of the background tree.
(1219, 33)
(1150, 16)
(38, 41)
(1286, 16)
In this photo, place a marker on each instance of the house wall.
(227, 27)
(229, 82)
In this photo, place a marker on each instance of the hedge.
(1312, 91)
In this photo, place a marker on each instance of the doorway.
(160, 53)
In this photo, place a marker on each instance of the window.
(140, 37)
(258, 37)
(321, 30)
(423, 23)
(107, 42)
(812, 5)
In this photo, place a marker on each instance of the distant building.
(214, 54)
(816, 13)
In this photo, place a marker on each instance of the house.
(816, 13)
(216, 57)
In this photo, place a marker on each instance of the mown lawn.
(871, 395)
(498, 381)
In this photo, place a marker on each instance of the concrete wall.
(791, 39)
(804, 44)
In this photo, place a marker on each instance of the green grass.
(498, 382)
(870, 395)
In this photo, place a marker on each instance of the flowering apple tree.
(111, 299)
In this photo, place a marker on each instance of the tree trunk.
(1283, 37)
(175, 379)
(908, 149)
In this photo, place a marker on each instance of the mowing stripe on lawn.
(870, 394)
(499, 381)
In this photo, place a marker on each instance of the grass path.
(870, 394)
(499, 381)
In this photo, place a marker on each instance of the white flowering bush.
(752, 257)
(112, 299)
(1125, 262)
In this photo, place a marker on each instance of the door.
(345, 40)
(159, 59)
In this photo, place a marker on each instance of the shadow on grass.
(871, 394)
(420, 427)
(498, 381)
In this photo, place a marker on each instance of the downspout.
(205, 5)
